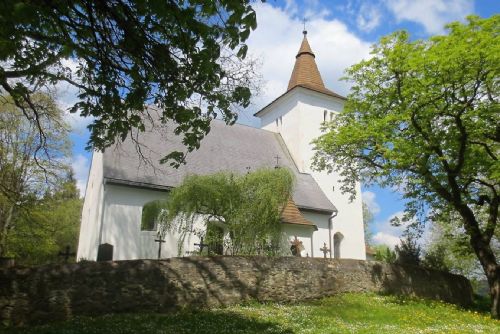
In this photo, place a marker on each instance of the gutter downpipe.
(334, 214)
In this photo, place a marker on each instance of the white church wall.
(305, 116)
(303, 233)
(91, 211)
(288, 124)
(349, 220)
(122, 228)
(322, 234)
(314, 109)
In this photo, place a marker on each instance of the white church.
(120, 184)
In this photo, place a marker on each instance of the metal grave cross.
(277, 161)
(159, 241)
(325, 250)
(201, 245)
(66, 254)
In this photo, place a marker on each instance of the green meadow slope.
(348, 313)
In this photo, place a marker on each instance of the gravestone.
(105, 252)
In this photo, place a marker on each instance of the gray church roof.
(226, 148)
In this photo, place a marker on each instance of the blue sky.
(340, 33)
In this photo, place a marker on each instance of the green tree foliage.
(247, 207)
(384, 254)
(408, 251)
(435, 258)
(449, 242)
(30, 163)
(181, 56)
(50, 224)
(423, 116)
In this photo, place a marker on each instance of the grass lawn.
(348, 313)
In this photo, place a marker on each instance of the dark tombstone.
(105, 252)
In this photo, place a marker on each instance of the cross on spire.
(304, 22)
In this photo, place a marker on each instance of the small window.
(281, 121)
(324, 115)
(150, 213)
(276, 122)
(331, 116)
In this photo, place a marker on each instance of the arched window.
(337, 242)
(150, 213)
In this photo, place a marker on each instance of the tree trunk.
(4, 229)
(485, 256)
(495, 294)
(492, 271)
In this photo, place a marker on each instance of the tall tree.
(424, 116)
(247, 207)
(29, 164)
(184, 56)
(51, 223)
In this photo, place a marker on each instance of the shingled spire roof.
(305, 72)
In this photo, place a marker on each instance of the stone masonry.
(57, 292)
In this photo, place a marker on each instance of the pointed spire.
(304, 47)
(305, 72)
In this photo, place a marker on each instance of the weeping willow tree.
(245, 207)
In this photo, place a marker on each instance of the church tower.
(297, 116)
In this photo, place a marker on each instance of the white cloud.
(368, 17)
(77, 123)
(277, 40)
(291, 7)
(80, 165)
(386, 233)
(371, 201)
(381, 238)
(432, 14)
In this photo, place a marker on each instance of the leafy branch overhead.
(177, 55)
(423, 117)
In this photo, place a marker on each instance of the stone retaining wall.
(57, 292)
